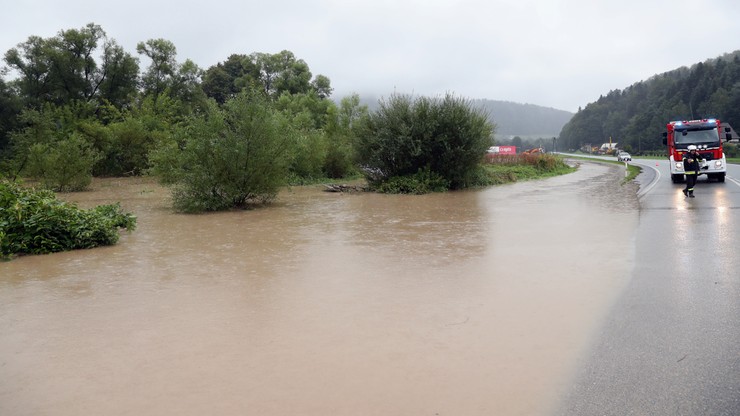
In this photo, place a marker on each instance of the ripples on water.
(470, 302)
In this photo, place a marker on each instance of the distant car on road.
(624, 157)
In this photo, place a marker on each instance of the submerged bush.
(35, 222)
(64, 166)
(232, 156)
(423, 182)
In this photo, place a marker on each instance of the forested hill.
(514, 119)
(636, 116)
(525, 120)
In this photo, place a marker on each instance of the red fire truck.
(706, 135)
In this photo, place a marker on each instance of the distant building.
(606, 147)
(732, 131)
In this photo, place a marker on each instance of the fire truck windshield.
(706, 136)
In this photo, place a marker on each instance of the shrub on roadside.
(732, 150)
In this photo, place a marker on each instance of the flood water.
(465, 303)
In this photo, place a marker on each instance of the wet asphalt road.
(671, 343)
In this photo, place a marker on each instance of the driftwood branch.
(344, 188)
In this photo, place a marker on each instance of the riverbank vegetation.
(438, 143)
(504, 169)
(33, 221)
(231, 135)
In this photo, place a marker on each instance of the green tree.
(224, 80)
(51, 148)
(229, 157)
(293, 75)
(187, 86)
(64, 165)
(32, 60)
(342, 126)
(74, 71)
(276, 74)
(40, 128)
(517, 141)
(307, 109)
(63, 68)
(124, 145)
(218, 84)
(118, 84)
(166, 77)
(161, 72)
(281, 72)
(10, 110)
(322, 85)
(306, 114)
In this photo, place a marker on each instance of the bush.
(308, 155)
(58, 146)
(341, 128)
(65, 165)
(339, 161)
(423, 182)
(125, 146)
(732, 150)
(228, 158)
(35, 222)
(446, 136)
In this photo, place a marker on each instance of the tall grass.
(501, 169)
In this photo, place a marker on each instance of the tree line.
(79, 105)
(227, 136)
(636, 116)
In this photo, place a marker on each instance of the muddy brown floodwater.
(464, 303)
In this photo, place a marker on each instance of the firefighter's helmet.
(692, 147)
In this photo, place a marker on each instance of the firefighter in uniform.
(691, 165)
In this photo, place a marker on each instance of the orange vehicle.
(533, 151)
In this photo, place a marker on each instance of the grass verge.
(632, 170)
(504, 169)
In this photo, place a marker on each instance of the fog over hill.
(524, 120)
(512, 119)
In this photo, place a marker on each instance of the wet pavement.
(671, 343)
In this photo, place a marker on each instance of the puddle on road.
(473, 303)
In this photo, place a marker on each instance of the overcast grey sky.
(555, 53)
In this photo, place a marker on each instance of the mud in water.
(465, 303)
